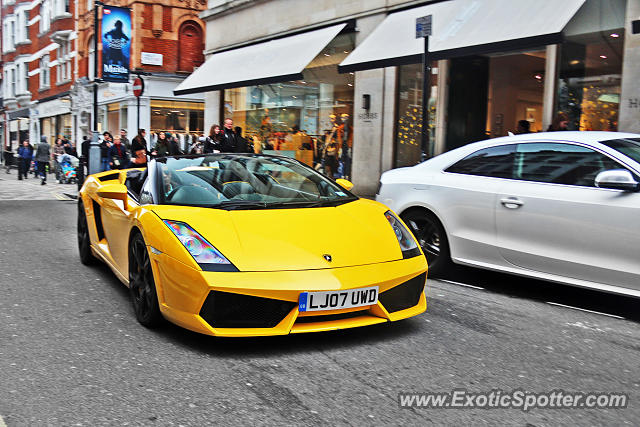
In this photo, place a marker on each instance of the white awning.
(463, 27)
(273, 61)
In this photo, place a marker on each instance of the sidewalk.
(31, 189)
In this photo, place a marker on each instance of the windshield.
(630, 147)
(245, 182)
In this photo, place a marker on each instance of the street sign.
(423, 26)
(138, 86)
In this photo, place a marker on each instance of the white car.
(557, 206)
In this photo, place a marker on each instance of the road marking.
(584, 309)
(459, 284)
(2, 424)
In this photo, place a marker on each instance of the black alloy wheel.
(84, 241)
(142, 287)
(431, 237)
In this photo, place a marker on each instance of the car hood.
(355, 233)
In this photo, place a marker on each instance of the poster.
(116, 44)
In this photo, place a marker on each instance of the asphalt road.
(71, 352)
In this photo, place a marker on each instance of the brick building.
(38, 48)
(167, 42)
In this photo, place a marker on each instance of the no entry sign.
(138, 86)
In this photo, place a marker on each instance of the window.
(191, 46)
(630, 147)
(44, 71)
(495, 162)
(12, 34)
(64, 62)
(13, 82)
(45, 16)
(559, 163)
(91, 65)
(22, 27)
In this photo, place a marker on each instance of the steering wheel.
(172, 193)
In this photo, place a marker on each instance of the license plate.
(336, 300)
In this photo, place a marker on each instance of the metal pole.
(94, 150)
(426, 93)
(138, 105)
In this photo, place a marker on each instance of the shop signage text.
(367, 117)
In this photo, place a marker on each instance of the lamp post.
(94, 149)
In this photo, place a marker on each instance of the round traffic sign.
(138, 86)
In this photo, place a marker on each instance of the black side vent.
(110, 177)
(405, 295)
(229, 310)
(97, 214)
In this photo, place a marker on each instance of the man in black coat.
(229, 143)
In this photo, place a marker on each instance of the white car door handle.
(511, 202)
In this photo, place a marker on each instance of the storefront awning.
(273, 61)
(463, 27)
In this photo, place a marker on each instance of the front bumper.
(241, 304)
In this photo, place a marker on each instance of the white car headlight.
(203, 252)
(406, 240)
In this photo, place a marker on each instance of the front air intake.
(405, 295)
(229, 310)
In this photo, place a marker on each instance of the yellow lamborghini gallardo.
(246, 245)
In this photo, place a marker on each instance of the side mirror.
(617, 179)
(114, 191)
(347, 185)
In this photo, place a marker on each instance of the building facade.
(538, 60)
(38, 48)
(167, 45)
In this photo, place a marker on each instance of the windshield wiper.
(240, 204)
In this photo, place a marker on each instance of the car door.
(465, 198)
(116, 220)
(551, 218)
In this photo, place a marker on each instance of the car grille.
(229, 310)
(405, 295)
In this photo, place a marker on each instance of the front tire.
(84, 241)
(430, 234)
(142, 286)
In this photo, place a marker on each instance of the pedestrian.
(70, 149)
(124, 140)
(174, 147)
(243, 144)
(42, 157)
(331, 159)
(560, 122)
(104, 151)
(25, 153)
(523, 127)
(58, 150)
(229, 138)
(198, 146)
(118, 154)
(162, 148)
(213, 142)
(139, 142)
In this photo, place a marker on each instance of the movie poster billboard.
(116, 44)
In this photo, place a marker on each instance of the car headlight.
(406, 240)
(203, 252)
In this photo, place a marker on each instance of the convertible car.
(247, 245)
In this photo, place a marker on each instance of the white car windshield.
(245, 182)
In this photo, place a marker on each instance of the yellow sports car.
(246, 245)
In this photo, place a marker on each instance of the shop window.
(310, 119)
(515, 92)
(590, 80)
(177, 117)
(408, 137)
(191, 46)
